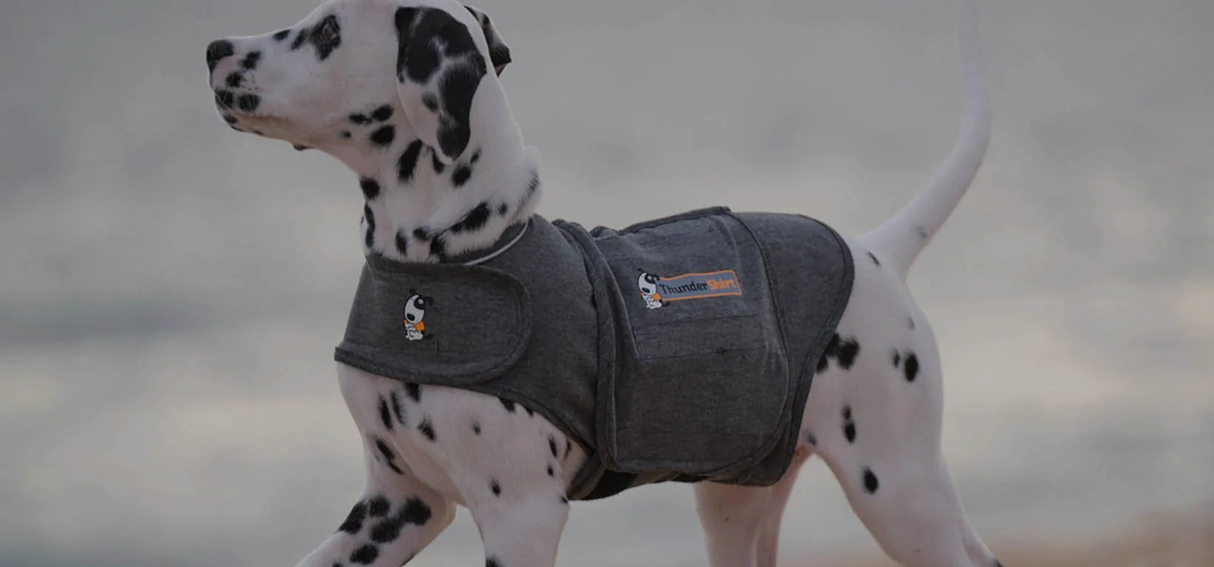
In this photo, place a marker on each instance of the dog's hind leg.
(877, 417)
(523, 530)
(742, 523)
(913, 510)
(394, 519)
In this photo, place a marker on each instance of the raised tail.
(900, 239)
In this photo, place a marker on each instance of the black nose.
(217, 51)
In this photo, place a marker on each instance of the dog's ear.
(499, 52)
(439, 67)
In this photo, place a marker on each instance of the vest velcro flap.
(446, 324)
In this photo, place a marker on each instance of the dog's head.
(341, 78)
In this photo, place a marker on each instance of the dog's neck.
(419, 209)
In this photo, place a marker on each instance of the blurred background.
(170, 291)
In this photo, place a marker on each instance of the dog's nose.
(217, 51)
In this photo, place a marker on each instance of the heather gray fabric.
(677, 349)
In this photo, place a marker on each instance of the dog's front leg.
(394, 519)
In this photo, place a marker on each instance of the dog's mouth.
(230, 101)
(243, 112)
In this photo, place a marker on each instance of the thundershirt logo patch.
(660, 290)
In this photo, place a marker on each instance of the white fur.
(494, 459)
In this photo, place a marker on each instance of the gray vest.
(678, 349)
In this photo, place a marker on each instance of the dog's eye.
(327, 31)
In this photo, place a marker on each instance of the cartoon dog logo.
(649, 290)
(415, 313)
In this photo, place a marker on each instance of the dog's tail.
(901, 238)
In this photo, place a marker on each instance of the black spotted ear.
(438, 69)
(499, 52)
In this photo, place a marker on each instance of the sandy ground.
(1163, 541)
(1153, 541)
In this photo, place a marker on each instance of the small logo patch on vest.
(659, 290)
(415, 314)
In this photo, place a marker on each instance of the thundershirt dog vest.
(678, 349)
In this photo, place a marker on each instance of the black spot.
(385, 414)
(279, 36)
(382, 113)
(848, 351)
(365, 555)
(248, 102)
(413, 512)
(921, 231)
(299, 39)
(345, 134)
(550, 470)
(426, 428)
(225, 99)
(414, 390)
(359, 119)
(370, 218)
(251, 60)
(300, 147)
(849, 431)
(389, 456)
(474, 220)
(456, 87)
(437, 165)
(234, 80)
(354, 521)
(843, 351)
(502, 209)
(438, 247)
(430, 102)
(509, 405)
(461, 175)
(897, 358)
(402, 243)
(810, 438)
(911, 368)
(493, 562)
(476, 427)
(397, 408)
(552, 445)
(370, 187)
(229, 118)
(383, 136)
(870, 481)
(417, 58)
(874, 257)
(421, 234)
(475, 157)
(564, 500)
(568, 448)
(408, 161)
(324, 42)
(495, 487)
(530, 412)
(378, 507)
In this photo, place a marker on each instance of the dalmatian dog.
(415, 313)
(649, 290)
(406, 94)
